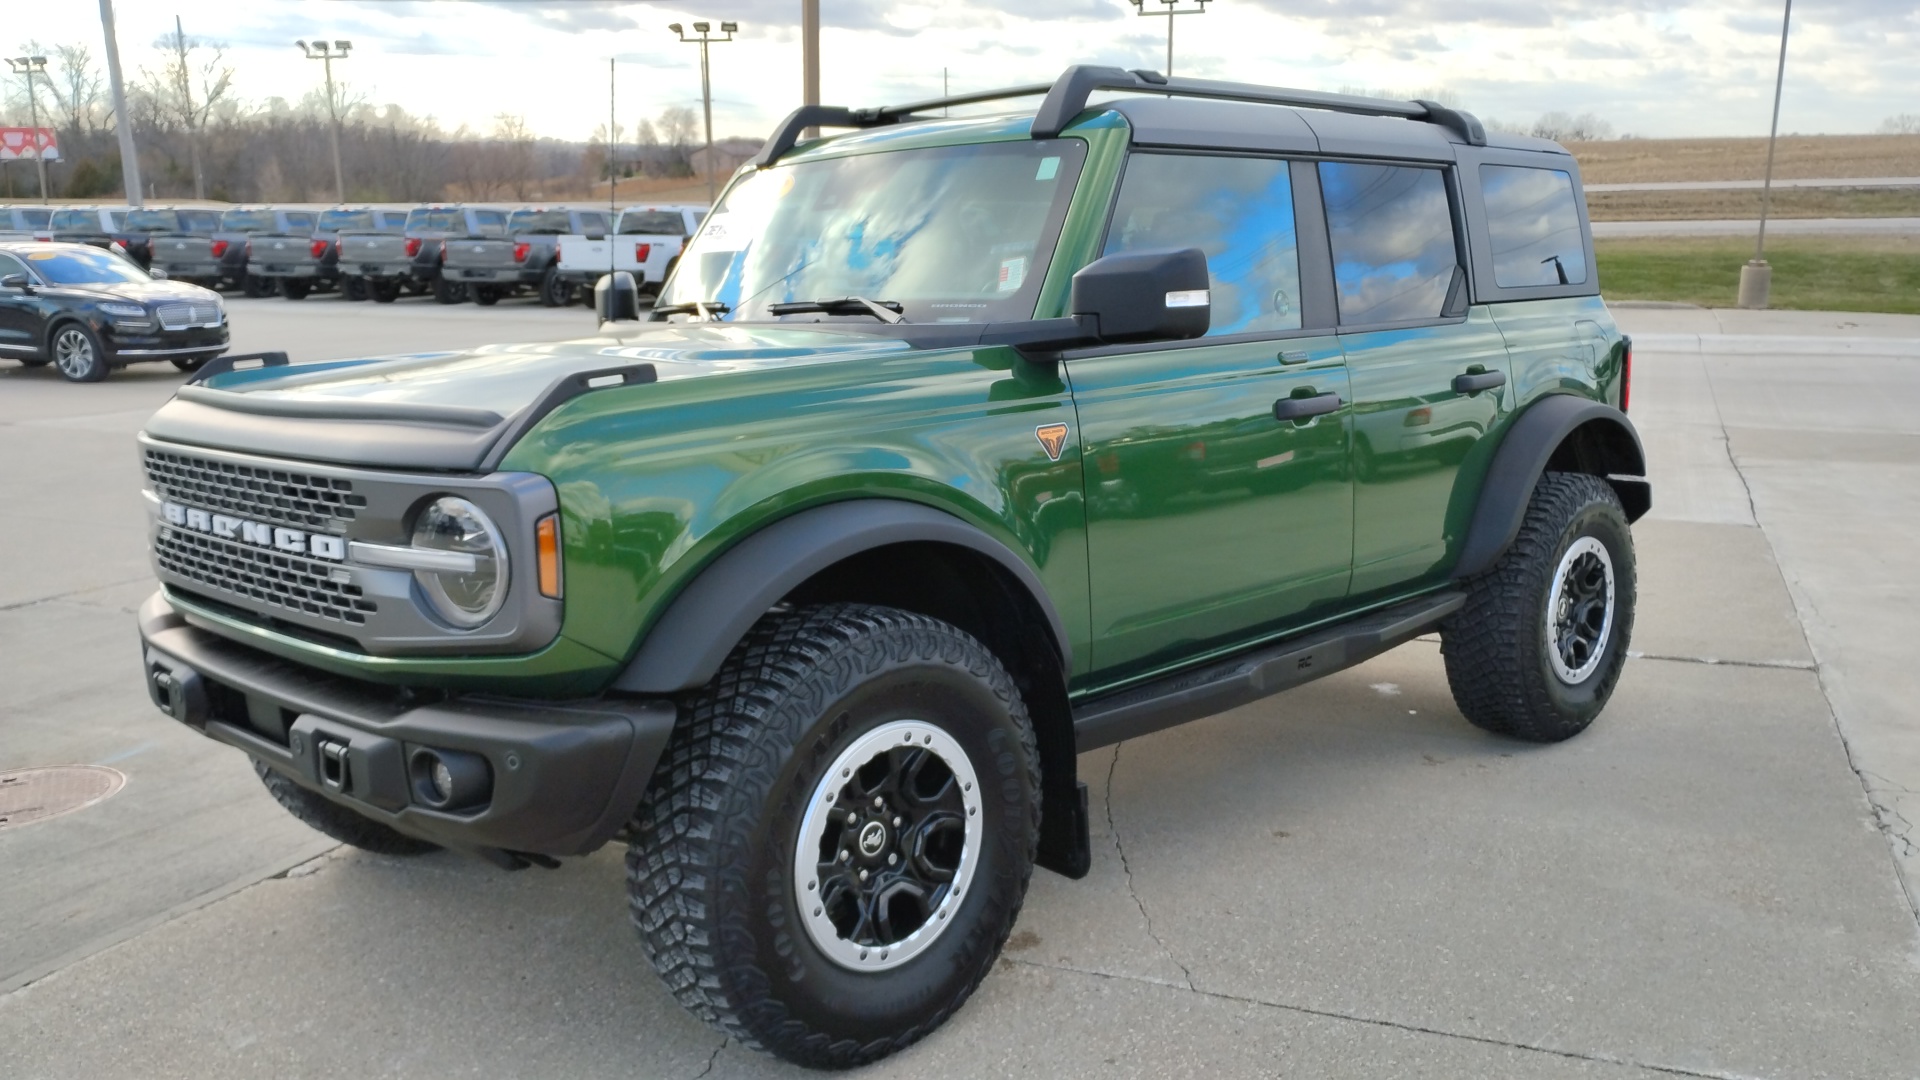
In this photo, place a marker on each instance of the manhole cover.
(30, 795)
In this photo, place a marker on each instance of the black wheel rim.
(1580, 610)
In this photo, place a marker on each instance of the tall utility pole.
(327, 52)
(30, 66)
(706, 82)
(1756, 278)
(810, 58)
(122, 121)
(1172, 8)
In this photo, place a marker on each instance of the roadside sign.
(25, 144)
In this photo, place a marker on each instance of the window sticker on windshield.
(1013, 274)
(1049, 168)
(42, 256)
(724, 233)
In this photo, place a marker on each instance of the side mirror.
(617, 298)
(1145, 296)
(16, 281)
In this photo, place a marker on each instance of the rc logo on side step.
(1053, 439)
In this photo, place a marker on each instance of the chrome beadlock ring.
(1580, 608)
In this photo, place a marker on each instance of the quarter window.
(1534, 226)
(1237, 210)
(1394, 254)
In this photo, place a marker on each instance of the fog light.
(450, 779)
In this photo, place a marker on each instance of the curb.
(1772, 345)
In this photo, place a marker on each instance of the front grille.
(184, 315)
(287, 582)
(282, 496)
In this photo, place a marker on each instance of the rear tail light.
(413, 246)
(642, 252)
(218, 248)
(520, 251)
(1626, 375)
(319, 248)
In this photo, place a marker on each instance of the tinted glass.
(10, 266)
(489, 222)
(119, 219)
(36, 219)
(1534, 226)
(201, 222)
(247, 221)
(652, 223)
(593, 223)
(88, 267)
(299, 221)
(335, 220)
(439, 220)
(1237, 210)
(543, 222)
(1393, 248)
(391, 221)
(76, 221)
(954, 234)
(153, 221)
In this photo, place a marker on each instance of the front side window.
(1394, 254)
(1534, 226)
(952, 233)
(1237, 210)
(90, 267)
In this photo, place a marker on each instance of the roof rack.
(1067, 97)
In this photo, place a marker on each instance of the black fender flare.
(700, 627)
(1523, 455)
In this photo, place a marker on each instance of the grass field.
(1786, 203)
(1801, 157)
(1810, 273)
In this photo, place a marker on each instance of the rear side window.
(1534, 226)
(1237, 210)
(1394, 253)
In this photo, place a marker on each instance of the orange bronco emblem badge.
(1053, 439)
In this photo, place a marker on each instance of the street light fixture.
(706, 82)
(327, 52)
(30, 66)
(1173, 8)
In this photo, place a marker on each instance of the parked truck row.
(456, 252)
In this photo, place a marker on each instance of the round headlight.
(463, 597)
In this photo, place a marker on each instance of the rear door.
(1210, 520)
(1428, 370)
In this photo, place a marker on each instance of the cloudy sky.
(1650, 67)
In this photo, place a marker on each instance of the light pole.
(706, 82)
(1173, 8)
(327, 52)
(129, 160)
(1756, 278)
(30, 66)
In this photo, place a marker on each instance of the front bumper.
(125, 347)
(563, 776)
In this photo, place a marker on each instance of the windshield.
(153, 221)
(247, 221)
(524, 222)
(89, 267)
(954, 234)
(652, 223)
(335, 220)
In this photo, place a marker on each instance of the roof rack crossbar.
(1067, 97)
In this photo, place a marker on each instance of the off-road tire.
(337, 821)
(295, 288)
(1496, 647)
(76, 352)
(710, 868)
(449, 292)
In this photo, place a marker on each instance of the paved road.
(1755, 185)
(1899, 226)
(1345, 881)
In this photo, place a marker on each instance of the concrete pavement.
(1347, 880)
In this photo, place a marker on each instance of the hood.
(150, 292)
(454, 410)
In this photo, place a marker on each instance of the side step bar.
(1227, 684)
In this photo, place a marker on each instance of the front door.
(1429, 372)
(21, 322)
(1212, 520)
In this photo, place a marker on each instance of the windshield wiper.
(707, 310)
(887, 311)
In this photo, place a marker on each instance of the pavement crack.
(1394, 1025)
(713, 1057)
(1127, 869)
(1788, 665)
(37, 601)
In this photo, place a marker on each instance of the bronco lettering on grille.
(228, 527)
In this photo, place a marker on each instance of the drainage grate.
(31, 795)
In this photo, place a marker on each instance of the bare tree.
(1561, 127)
(75, 89)
(188, 61)
(513, 143)
(679, 131)
(1903, 124)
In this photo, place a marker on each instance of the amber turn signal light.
(546, 535)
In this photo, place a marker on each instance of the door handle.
(1475, 381)
(1305, 408)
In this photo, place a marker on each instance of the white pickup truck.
(646, 243)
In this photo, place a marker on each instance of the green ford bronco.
(954, 448)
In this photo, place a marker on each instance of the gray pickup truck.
(181, 241)
(242, 227)
(300, 269)
(493, 267)
(411, 260)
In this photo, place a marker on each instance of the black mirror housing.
(617, 298)
(14, 281)
(1146, 295)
